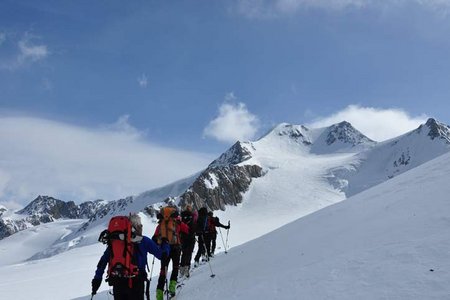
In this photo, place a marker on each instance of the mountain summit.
(341, 137)
(435, 130)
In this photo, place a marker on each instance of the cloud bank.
(233, 123)
(44, 157)
(277, 8)
(376, 123)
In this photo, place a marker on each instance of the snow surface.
(389, 242)
(379, 244)
(211, 182)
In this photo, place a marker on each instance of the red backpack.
(122, 262)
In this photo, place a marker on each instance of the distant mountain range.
(292, 166)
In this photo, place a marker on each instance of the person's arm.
(218, 224)
(97, 280)
(101, 266)
(151, 247)
(184, 228)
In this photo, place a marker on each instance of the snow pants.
(122, 291)
(203, 248)
(186, 251)
(174, 256)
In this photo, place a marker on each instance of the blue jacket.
(145, 246)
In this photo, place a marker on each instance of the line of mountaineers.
(173, 241)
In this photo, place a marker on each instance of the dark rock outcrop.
(238, 153)
(347, 134)
(45, 209)
(220, 186)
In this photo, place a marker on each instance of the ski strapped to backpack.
(119, 237)
(168, 226)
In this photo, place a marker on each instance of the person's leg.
(213, 242)
(120, 290)
(207, 243)
(138, 289)
(200, 250)
(162, 278)
(175, 256)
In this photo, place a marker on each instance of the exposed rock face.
(238, 153)
(51, 208)
(109, 208)
(224, 181)
(436, 130)
(296, 133)
(46, 209)
(347, 134)
(229, 184)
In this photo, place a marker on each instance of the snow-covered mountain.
(388, 242)
(395, 156)
(290, 172)
(45, 209)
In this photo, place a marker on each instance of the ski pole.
(167, 282)
(221, 236)
(228, 230)
(209, 263)
(147, 291)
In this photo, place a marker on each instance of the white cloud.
(275, 8)
(31, 52)
(39, 156)
(376, 123)
(122, 125)
(233, 123)
(28, 51)
(143, 81)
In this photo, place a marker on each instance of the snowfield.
(389, 242)
(294, 236)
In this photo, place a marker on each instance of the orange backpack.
(168, 226)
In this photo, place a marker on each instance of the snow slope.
(389, 242)
(296, 183)
(357, 249)
(24, 244)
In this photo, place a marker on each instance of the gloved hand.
(95, 285)
(227, 227)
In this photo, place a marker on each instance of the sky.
(104, 99)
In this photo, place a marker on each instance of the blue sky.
(194, 76)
